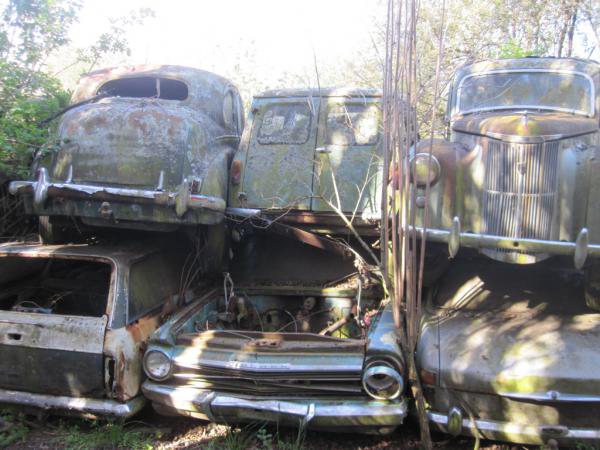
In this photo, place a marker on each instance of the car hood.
(518, 331)
(519, 125)
(131, 141)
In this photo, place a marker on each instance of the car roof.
(198, 80)
(121, 252)
(322, 92)
(587, 66)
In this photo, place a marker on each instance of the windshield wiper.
(75, 105)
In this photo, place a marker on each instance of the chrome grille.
(519, 189)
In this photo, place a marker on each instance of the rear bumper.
(330, 414)
(77, 405)
(511, 431)
(182, 200)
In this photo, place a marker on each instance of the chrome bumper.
(79, 405)
(182, 200)
(314, 413)
(510, 431)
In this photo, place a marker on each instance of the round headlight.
(425, 169)
(382, 382)
(157, 365)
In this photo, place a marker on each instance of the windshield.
(560, 91)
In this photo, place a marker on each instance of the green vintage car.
(509, 340)
(144, 147)
(294, 337)
(518, 174)
(311, 154)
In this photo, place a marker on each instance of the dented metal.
(82, 355)
(136, 155)
(516, 171)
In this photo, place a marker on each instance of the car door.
(279, 165)
(349, 156)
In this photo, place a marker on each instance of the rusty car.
(509, 338)
(294, 336)
(74, 320)
(510, 352)
(518, 173)
(312, 154)
(145, 147)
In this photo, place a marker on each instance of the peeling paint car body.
(302, 352)
(510, 352)
(518, 176)
(308, 152)
(140, 147)
(74, 321)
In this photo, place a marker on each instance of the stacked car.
(509, 343)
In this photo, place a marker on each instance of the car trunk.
(522, 332)
(52, 325)
(127, 142)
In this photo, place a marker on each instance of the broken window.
(54, 286)
(352, 124)
(141, 87)
(285, 124)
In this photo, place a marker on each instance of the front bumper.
(330, 414)
(511, 431)
(181, 201)
(77, 405)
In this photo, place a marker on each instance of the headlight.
(382, 382)
(425, 169)
(157, 365)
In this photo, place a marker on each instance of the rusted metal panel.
(518, 164)
(349, 165)
(151, 157)
(52, 332)
(501, 352)
(278, 169)
(52, 372)
(305, 143)
(126, 346)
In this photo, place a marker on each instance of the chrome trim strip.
(515, 432)
(551, 396)
(182, 199)
(81, 405)
(479, 241)
(327, 412)
(456, 106)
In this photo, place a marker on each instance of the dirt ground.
(151, 431)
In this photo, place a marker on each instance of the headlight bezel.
(168, 360)
(430, 166)
(382, 367)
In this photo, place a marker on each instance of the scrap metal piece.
(454, 238)
(581, 249)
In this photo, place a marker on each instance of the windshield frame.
(592, 98)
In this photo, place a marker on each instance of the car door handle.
(322, 150)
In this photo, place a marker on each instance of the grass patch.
(258, 436)
(12, 428)
(100, 434)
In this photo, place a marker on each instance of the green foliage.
(31, 32)
(107, 434)
(512, 49)
(257, 436)
(12, 429)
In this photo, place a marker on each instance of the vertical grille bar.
(519, 189)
